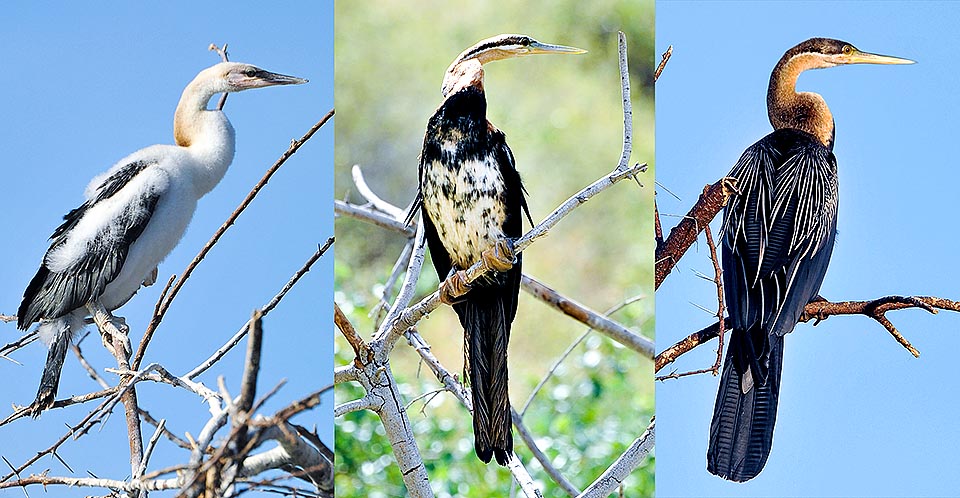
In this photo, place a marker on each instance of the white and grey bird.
(133, 215)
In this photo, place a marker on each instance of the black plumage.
(463, 215)
(778, 234)
(52, 294)
(472, 202)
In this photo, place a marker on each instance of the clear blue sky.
(858, 414)
(85, 85)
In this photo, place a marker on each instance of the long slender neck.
(206, 135)
(805, 111)
(463, 74)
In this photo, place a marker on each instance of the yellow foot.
(500, 257)
(454, 287)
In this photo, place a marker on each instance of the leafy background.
(563, 120)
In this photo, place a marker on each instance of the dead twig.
(721, 323)
(663, 63)
(821, 310)
(682, 236)
(592, 319)
(168, 300)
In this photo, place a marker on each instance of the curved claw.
(151, 277)
(501, 256)
(454, 287)
(44, 401)
(112, 329)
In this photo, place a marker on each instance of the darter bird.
(778, 234)
(471, 200)
(133, 216)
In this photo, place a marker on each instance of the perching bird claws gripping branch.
(156, 373)
(821, 310)
(393, 329)
(374, 374)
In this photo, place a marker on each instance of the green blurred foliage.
(563, 119)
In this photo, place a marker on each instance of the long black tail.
(742, 429)
(50, 380)
(486, 315)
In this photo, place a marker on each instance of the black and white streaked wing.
(778, 234)
(88, 250)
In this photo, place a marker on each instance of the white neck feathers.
(205, 134)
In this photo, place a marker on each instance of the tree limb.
(620, 469)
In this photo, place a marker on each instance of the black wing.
(52, 294)
(778, 233)
(777, 240)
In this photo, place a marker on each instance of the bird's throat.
(804, 111)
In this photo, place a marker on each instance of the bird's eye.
(848, 49)
(250, 72)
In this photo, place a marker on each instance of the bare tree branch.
(527, 437)
(683, 235)
(590, 318)
(721, 323)
(663, 63)
(371, 365)
(162, 308)
(236, 338)
(300, 452)
(620, 469)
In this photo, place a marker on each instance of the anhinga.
(471, 200)
(133, 216)
(778, 234)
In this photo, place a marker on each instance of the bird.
(132, 216)
(471, 201)
(778, 233)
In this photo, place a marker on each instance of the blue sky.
(85, 85)
(858, 414)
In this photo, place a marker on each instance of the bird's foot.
(501, 256)
(819, 315)
(113, 329)
(44, 401)
(117, 332)
(152, 277)
(454, 287)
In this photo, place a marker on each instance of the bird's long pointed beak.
(270, 79)
(548, 48)
(261, 79)
(868, 58)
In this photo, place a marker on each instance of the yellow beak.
(858, 57)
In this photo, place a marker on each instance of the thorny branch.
(821, 310)
(683, 235)
(168, 299)
(371, 367)
(299, 452)
(721, 323)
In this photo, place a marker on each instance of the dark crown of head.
(826, 46)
